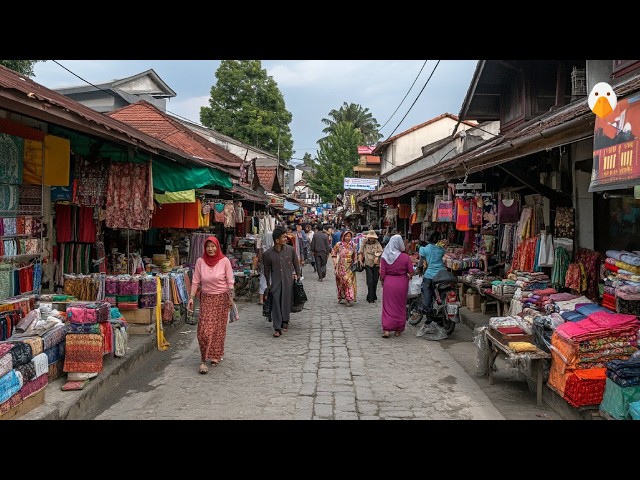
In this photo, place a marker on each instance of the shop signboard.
(360, 183)
(616, 148)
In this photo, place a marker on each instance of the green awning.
(173, 177)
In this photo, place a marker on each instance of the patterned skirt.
(212, 325)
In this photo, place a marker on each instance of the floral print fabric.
(129, 196)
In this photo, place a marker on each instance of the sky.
(400, 94)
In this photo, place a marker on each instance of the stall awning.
(291, 206)
(173, 177)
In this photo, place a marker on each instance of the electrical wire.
(406, 95)
(414, 102)
(116, 96)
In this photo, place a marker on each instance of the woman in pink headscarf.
(214, 276)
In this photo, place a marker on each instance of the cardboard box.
(473, 301)
(138, 329)
(143, 316)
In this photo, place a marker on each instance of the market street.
(331, 364)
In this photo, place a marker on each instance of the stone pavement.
(331, 364)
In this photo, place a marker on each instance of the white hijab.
(393, 249)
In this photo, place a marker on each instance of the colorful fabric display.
(83, 353)
(54, 336)
(20, 353)
(10, 383)
(616, 399)
(32, 387)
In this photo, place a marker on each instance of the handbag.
(299, 295)
(357, 267)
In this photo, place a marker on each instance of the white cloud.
(188, 107)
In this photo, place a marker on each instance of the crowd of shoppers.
(280, 260)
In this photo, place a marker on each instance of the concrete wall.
(598, 71)
(583, 200)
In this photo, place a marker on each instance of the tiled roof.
(250, 195)
(153, 121)
(266, 176)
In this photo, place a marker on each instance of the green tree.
(361, 119)
(337, 155)
(25, 67)
(247, 105)
(308, 160)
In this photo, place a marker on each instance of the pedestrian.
(267, 243)
(390, 232)
(343, 255)
(337, 235)
(320, 249)
(281, 269)
(431, 256)
(213, 275)
(309, 230)
(302, 242)
(396, 269)
(369, 256)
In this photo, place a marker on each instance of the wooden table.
(502, 301)
(537, 358)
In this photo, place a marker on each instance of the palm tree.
(361, 119)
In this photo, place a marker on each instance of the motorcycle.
(445, 309)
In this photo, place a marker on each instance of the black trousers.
(321, 265)
(373, 274)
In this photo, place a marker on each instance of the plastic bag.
(299, 295)
(266, 305)
(234, 316)
(415, 285)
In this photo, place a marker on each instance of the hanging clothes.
(463, 217)
(129, 196)
(508, 210)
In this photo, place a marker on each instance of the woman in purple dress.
(396, 269)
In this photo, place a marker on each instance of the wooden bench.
(537, 358)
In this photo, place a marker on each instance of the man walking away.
(281, 268)
(320, 248)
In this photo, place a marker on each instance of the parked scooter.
(445, 309)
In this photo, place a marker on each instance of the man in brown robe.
(281, 268)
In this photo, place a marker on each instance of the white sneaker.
(439, 333)
(426, 329)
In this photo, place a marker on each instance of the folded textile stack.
(622, 387)
(530, 281)
(53, 343)
(621, 273)
(585, 387)
(588, 345)
(23, 371)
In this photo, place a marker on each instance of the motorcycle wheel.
(414, 312)
(448, 325)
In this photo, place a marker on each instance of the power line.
(414, 102)
(115, 96)
(406, 95)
